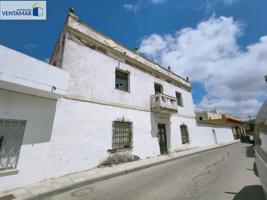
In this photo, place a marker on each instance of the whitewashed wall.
(93, 77)
(200, 134)
(25, 74)
(176, 139)
(82, 134)
(29, 89)
(224, 134)
(39, 113)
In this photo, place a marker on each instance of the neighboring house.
(116, 101)
(237, 125)
(29, 90)
(208, 115)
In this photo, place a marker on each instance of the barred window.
(11, 135)
(122, 135)
(184, 134)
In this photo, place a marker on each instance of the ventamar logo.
(37, 11)
(22, 10)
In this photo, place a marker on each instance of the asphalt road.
(220, 174)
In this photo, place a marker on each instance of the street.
(220, 174)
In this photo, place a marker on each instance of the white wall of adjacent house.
(200, 134)
(39, 114)
(29, 89)
(209, 134)
(25, 74)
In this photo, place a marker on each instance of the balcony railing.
(164, 104)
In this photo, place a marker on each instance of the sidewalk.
(72, 181)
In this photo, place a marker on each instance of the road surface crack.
(203, 174)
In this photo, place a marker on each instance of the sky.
(221, 45)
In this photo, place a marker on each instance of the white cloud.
(140, 4)
(209, 55)
(132, 7)
(230, 2)
(210, 6)
(157, 1)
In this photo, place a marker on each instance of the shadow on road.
(250, 151)
(249, 193)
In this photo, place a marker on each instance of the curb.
(114, 174)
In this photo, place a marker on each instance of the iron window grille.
(11, 135)
(122, 135)
(122, 80)
(184, 134)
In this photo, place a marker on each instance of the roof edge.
(77, 27)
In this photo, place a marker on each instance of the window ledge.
(9, 172)
(112, 151)
(127, 91)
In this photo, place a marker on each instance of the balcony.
(164, 104)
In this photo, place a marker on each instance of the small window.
(11, 135)
(184, 134)
(122, 135)
(179, 99)
(158, 88)
(122, 80)
(200, 118)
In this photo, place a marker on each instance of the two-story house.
(117, 101)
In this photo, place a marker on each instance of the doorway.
(162, 139)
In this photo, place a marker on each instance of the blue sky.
(133, 22)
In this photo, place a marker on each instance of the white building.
(116, 101)
(208, 115)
